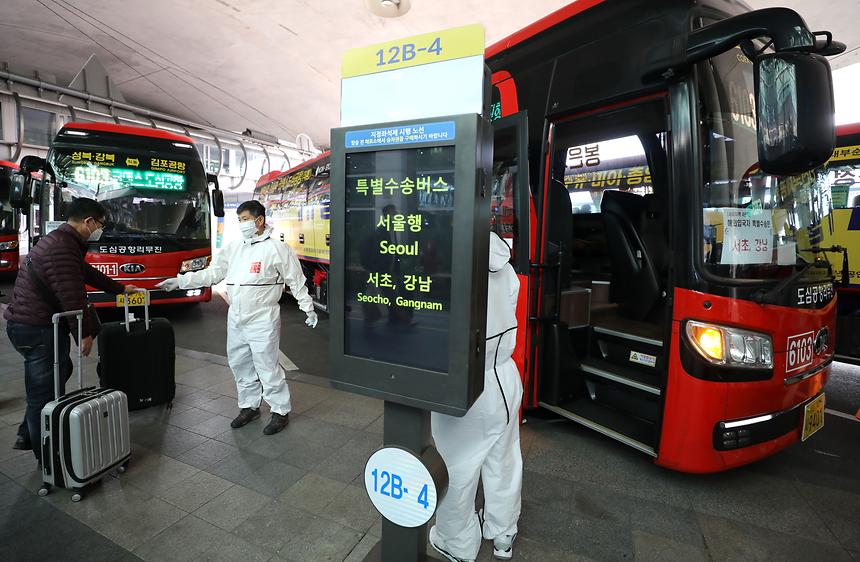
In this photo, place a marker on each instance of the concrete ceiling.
(268, 65)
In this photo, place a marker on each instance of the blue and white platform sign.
(400, 487)
(402, 134)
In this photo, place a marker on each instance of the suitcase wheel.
(44, 490)
(122, 468)
(76, 497)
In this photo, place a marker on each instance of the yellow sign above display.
(449, 44)
(845, 153)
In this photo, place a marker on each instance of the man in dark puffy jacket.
(58, 261)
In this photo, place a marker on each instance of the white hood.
(500, 252)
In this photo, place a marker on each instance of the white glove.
(169, 284)
(312, 319)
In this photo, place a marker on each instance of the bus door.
(511, 219)
(605, 309)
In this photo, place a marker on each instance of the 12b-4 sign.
(400, 487)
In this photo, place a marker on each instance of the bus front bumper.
(737, 434)
(105, 300)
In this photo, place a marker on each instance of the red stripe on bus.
(540, 25)
(128, 130)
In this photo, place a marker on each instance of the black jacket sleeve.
(99, 280)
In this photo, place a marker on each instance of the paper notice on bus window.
(747, 237)
(51, 226)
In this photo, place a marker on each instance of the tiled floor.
(197, 490)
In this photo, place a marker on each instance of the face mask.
(248, 228)
(95, 235)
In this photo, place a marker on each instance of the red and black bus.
(10, 220)
(669, 299)
(155, 190)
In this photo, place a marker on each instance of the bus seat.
(655, 235)
(635, 285)
(560, 229)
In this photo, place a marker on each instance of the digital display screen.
(98, 178)
(399, 232)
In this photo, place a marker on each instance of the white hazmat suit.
(485, 442)
(256, 270)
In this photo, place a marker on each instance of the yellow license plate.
(813, 417)
(134, 299)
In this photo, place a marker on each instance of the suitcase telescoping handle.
(55, 319)
(145, 310)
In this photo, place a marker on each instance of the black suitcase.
(139, 358)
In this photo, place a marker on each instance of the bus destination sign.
(399, 209)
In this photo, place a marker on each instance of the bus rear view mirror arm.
(785, 27)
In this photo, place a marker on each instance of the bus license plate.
(813, 417)
(134, 299)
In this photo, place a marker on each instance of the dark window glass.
(38, 126)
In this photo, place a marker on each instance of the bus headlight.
(10, 245)
(194, 264)
(731, 347)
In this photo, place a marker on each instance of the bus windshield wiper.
(769, 296)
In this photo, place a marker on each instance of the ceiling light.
(388, 8)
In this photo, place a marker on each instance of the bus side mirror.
(30, 164)
(795, 112)
(217, 195)
(19, 191)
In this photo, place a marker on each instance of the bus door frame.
(523, 247)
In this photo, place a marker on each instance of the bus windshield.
(145, 196)
(755, 227)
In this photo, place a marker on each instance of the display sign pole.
(409, 428)
(410, 214)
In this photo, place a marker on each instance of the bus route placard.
(398, 247)
(410, 220)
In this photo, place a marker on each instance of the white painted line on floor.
(825, 453)
(285, 362)
(839, 414)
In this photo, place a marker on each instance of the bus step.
(631, 431)
(645, 337)
(622, 375)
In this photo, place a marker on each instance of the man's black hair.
(254, 207)
(83, 208)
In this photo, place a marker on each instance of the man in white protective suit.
(256, 269)
(485, 443)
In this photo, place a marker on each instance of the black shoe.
(276, 424)
(22, 444)
(246, 416)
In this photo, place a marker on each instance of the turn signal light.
(708, 340)
(733, 347)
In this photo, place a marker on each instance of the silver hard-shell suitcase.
(85, 433)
